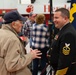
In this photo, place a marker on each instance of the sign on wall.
(43, 8)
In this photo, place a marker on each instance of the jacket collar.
(8, 27)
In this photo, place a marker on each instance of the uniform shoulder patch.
(66, 49)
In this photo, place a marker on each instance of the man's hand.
(35, 53)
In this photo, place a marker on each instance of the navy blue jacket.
(63, 55)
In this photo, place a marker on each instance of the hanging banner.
(38, 8)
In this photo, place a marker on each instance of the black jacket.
(63, 56)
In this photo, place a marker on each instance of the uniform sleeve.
(66, 54)
(15, 59)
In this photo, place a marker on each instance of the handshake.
(35, 53)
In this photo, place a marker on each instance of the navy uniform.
(63, 55)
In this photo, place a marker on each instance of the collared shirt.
(27, 28)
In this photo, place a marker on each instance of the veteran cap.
(12, 16)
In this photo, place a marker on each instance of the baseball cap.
(12, 16)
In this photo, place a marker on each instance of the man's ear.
(66, 18)
(13, 24)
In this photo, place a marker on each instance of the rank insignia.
(66, 49)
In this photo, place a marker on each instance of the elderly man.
(13, 57)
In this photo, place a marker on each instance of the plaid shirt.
(26, 30)
(40, 36)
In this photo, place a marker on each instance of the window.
(24, 1)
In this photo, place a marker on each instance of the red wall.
(2, 11)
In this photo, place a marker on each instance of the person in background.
(28, 25)
(40, 36)
(63, 54)
(13, 57)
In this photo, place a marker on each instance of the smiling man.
(63, 56)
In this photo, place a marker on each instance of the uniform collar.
(65, 26)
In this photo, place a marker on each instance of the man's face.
(59, 21)
(32, 18)
(17, 26)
